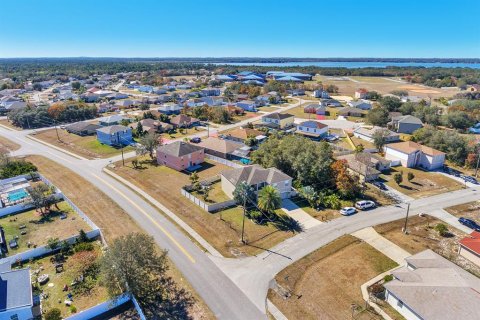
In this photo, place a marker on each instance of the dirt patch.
(469, 210)
(326, 283)
(7, 145)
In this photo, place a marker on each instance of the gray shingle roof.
(113, 129)
(407, 119)
(83, 126)
(255, 174)
(179, 149)
(436, 288)
(279, 116)
(15, 289)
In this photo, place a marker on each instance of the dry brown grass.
(8, 124)
(7, 145)
(325, 283)
(107, 215)
(222, 229)
(469, 210)
(424, 184)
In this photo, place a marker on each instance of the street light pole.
(406, 219)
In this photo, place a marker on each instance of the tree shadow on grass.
(286, 223)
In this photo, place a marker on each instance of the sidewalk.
(388, 248)
(297, 213)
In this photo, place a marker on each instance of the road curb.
(8, 128)
(56, 148)
(192, 233)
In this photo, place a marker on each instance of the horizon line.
(231, 57)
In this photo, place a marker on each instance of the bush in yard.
(73, 309)
(83, 246)
(398, 178)
(410, 176)
(388, 278)
(53, 314)
(441, 229)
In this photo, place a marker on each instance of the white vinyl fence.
(223, 161)
(207, 207)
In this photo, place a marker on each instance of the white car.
(365, 204)
(348, 211)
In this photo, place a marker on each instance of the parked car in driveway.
(347, 211)
(469, 223)
(379, 185)
(470, 179)
(365, 204)
(196, 140)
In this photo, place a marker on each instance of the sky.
(240, 28)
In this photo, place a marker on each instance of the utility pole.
(56, 131)
(406, 219)
(244, 212)
(478, 160)
(121, 147)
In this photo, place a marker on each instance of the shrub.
(388, 278)
(83, 246)
(73, 309)
(53, 314)
(442, 229)
(398, 178)
(410, 176)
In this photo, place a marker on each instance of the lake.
(352, 64)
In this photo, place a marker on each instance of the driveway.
(297, 213)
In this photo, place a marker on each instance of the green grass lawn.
(216, 194)
(102, 150)
(39, 229)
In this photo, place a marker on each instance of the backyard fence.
(223, 161)
(44, 250)
(207, 207)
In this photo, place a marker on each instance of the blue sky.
(246, 28)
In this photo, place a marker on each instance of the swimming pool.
(17, 195)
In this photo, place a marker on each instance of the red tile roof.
(472, 242)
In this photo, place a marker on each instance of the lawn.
(268, 108)
(54, 295)
(219, 229)
(215, 195)
(327, 282)
(422, 235)
(39, 229)
(366, 144)
(7, 123)
(298, 112)
(103, 210)
(245, 116)
(7, 145)
(425, 184)
(185, 133)
(87, 146)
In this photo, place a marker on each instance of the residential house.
(278, 120)
(210, 92)
(360, 104)
(256, 177)
(312, 129)
(117, 96)
(368, 134)
(361, 93)
(90, 97)
(234, 111)
(195, 102)
(225, 78)
(9, 103)
(184, 121)
(247, 105)
(242, 96)
(431, 287)
(111, 120)
(470, 247)
(331, 103)
(315, 109)
(222, 148)
(405, 124)
(242, 134)
(152, 126)
(115, 135)
(351, 112)
(411, 154)
(180, 155)
(286, 76)
(170, 108)
(106, 107)
(124, 103)
(296, 92)
(16, 298)
(212, 101)
(367, 166)
(321, 94)
(83, 128)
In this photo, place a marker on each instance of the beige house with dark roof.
(256, 177)
(278, 120)
(220, 147)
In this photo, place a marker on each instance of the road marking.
(148, 216)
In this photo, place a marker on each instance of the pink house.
(180, 155)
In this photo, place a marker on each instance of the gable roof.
(346, 110)
(436, 288)
(220, 145)
(183, 119)
(409, 147)
(472, 242)
(254, 175)
(244, 133)
(407, 119)
(83, 126)
(313, 124)
(111, 119)
(369, 132)
(179, 149)
(279, 116)
(113, 129)
(15, 289)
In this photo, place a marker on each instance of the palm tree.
(269, 199)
